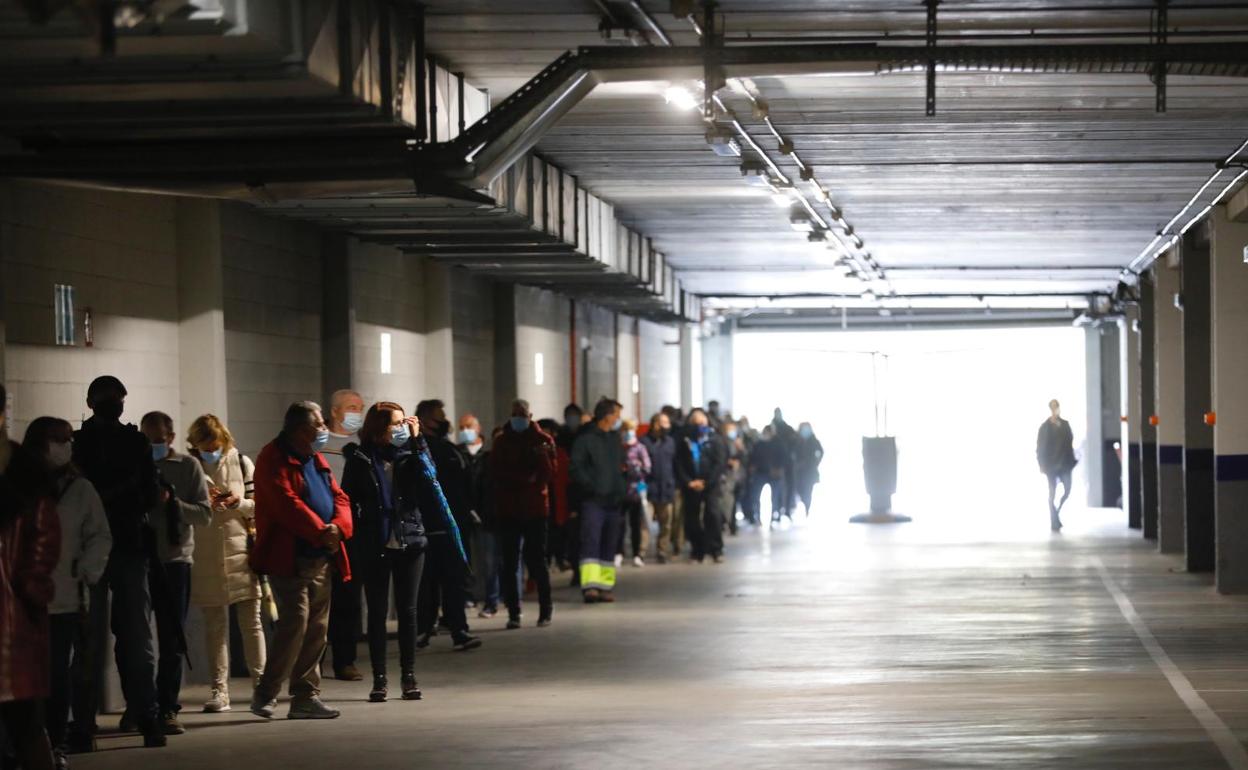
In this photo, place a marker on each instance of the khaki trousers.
(671, 529)
(217, 636)
(300, 633)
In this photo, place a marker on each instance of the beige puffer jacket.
(220, 575)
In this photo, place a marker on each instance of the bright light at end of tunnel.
(680, 97)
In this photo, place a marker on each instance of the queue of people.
(126, 525)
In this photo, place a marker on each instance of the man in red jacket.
(522, 464)
(302, 519)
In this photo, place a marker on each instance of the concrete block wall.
(272, 297)
(542, 327)
(597, 371)
(117, 251)
(660, 367)
(472, 324)
(388, 292)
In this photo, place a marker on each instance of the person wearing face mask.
(808, 453)
(522, 465)
(701, 459)
(636, 473)
(30, 544)
(220, 575)
(302, 520)
(174, 523)
(486, 558)
(661, 486)
(85, 544)
(389, 490)
(346, 416)
(725, 499)
(446, 577)
(597, 472)
(117, 459)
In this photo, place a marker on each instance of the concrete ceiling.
(1027, 183)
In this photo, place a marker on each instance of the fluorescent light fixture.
(680, 97)
(781, 198)
(636, 383)
(386, 361)
(799, 220)
(755, 174)
(539, 369)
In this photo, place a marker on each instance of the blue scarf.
(431, 475)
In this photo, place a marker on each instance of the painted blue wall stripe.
(1232, 468)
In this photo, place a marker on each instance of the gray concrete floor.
(826, 645)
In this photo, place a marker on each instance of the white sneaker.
(638, 561)
(219, 702)
(619, 560)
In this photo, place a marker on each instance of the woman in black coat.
(388, 486)
(809, 453)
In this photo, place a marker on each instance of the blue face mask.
(704, 431)
(352, 421)
(160, 451)
(321, 440)
(211, 458)
(806, 432)
(732, 434)
(619, 421)
(467, 436)
(519, 424)
(400, 436)
(630, 436)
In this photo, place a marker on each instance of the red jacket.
(521, 466)
(282, 517)
(30, 546)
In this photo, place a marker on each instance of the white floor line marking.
(1232, 750)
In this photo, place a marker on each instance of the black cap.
(102, 383)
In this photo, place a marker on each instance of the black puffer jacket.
(410, 492)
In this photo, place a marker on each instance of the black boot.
(378, 693)
(410, 690)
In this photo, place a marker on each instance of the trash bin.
(879, 470)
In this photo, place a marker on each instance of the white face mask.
(60, 453)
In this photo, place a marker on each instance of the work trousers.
(217, 640)
(442, 583)
(300, 634)
(600, 528)
(170, 625)
(486, 567)
(405, 568)
(527, 539)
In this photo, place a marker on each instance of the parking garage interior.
(917, 220)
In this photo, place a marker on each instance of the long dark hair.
(376, 427)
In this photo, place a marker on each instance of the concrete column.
(506, 378)
(717, 367)
(1168, 372)
(1200, 553)
(1229, 282)
(690, 376)
(440, 336)
(1148, 390)
(1132, 418)
(337, 316)
(201, 315)
(1104, 415)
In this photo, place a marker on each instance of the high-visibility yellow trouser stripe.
(597, 574)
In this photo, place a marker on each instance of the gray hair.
(520, 403)
(299, 414)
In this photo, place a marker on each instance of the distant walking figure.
(1055, 453)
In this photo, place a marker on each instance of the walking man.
(1055, 452)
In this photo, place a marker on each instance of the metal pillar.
(1148, 431)
(1197, 401)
